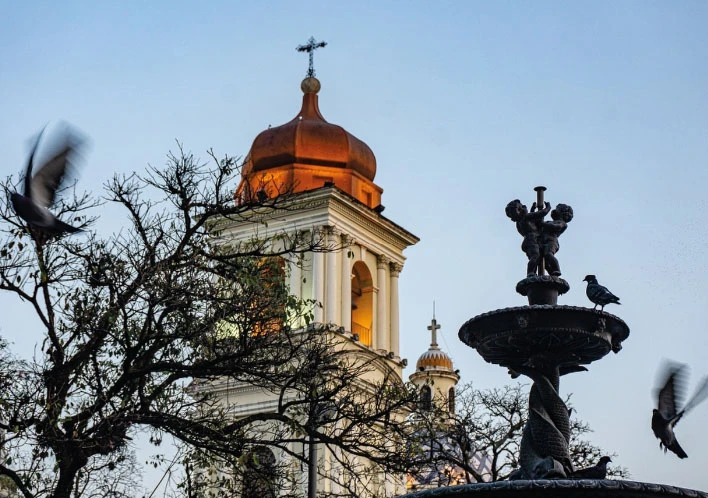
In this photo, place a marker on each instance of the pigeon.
(597, 471)
(40, 189)
(599, 294)
(666, 415)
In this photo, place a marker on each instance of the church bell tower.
(331, 174)
(324, 176)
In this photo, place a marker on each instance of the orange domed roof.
(434, 358)
(309, 139)
(308, 152)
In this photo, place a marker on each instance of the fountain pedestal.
(545, 342)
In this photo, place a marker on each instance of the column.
(332, 300)
(346, 315)
(382, 304)
(393, 310)
(318, 285)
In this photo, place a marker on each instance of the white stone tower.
(328, 175)
(332, 173)
(435, 375)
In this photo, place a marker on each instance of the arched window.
(259, 477)
(362, 302)
(451, 401)
(426, 398)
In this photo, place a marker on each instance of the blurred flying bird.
(670, 396)
(41, 188)
(599, 294)
(597, 471)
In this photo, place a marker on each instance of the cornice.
(298, 208)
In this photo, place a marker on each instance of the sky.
(466, 105)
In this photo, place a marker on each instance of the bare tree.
(482, 439)
(139, 327)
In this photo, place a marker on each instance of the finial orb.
(310, 85)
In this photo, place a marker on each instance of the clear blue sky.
(466, 105)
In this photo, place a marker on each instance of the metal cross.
(310, 48)
(434, 327)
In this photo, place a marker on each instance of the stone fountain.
(545, 341)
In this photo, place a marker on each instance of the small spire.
(310, 48)
(434, 327)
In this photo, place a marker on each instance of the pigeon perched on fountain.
(597, 471)
(40, 189)
(599, 294)
(667, 415)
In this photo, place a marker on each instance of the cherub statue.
(550, 231)
(529, 225)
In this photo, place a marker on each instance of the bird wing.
(598, 292)
(700, 395)
(610, 295)
(594, 472)
(30, 162)
(594, 291)
(49, 177)
(672, 392)
(604, 294)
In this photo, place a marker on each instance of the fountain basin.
(561, 488)
(562, 335)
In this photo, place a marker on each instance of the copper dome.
(307, 152)
(309, 139)
(434, 358)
